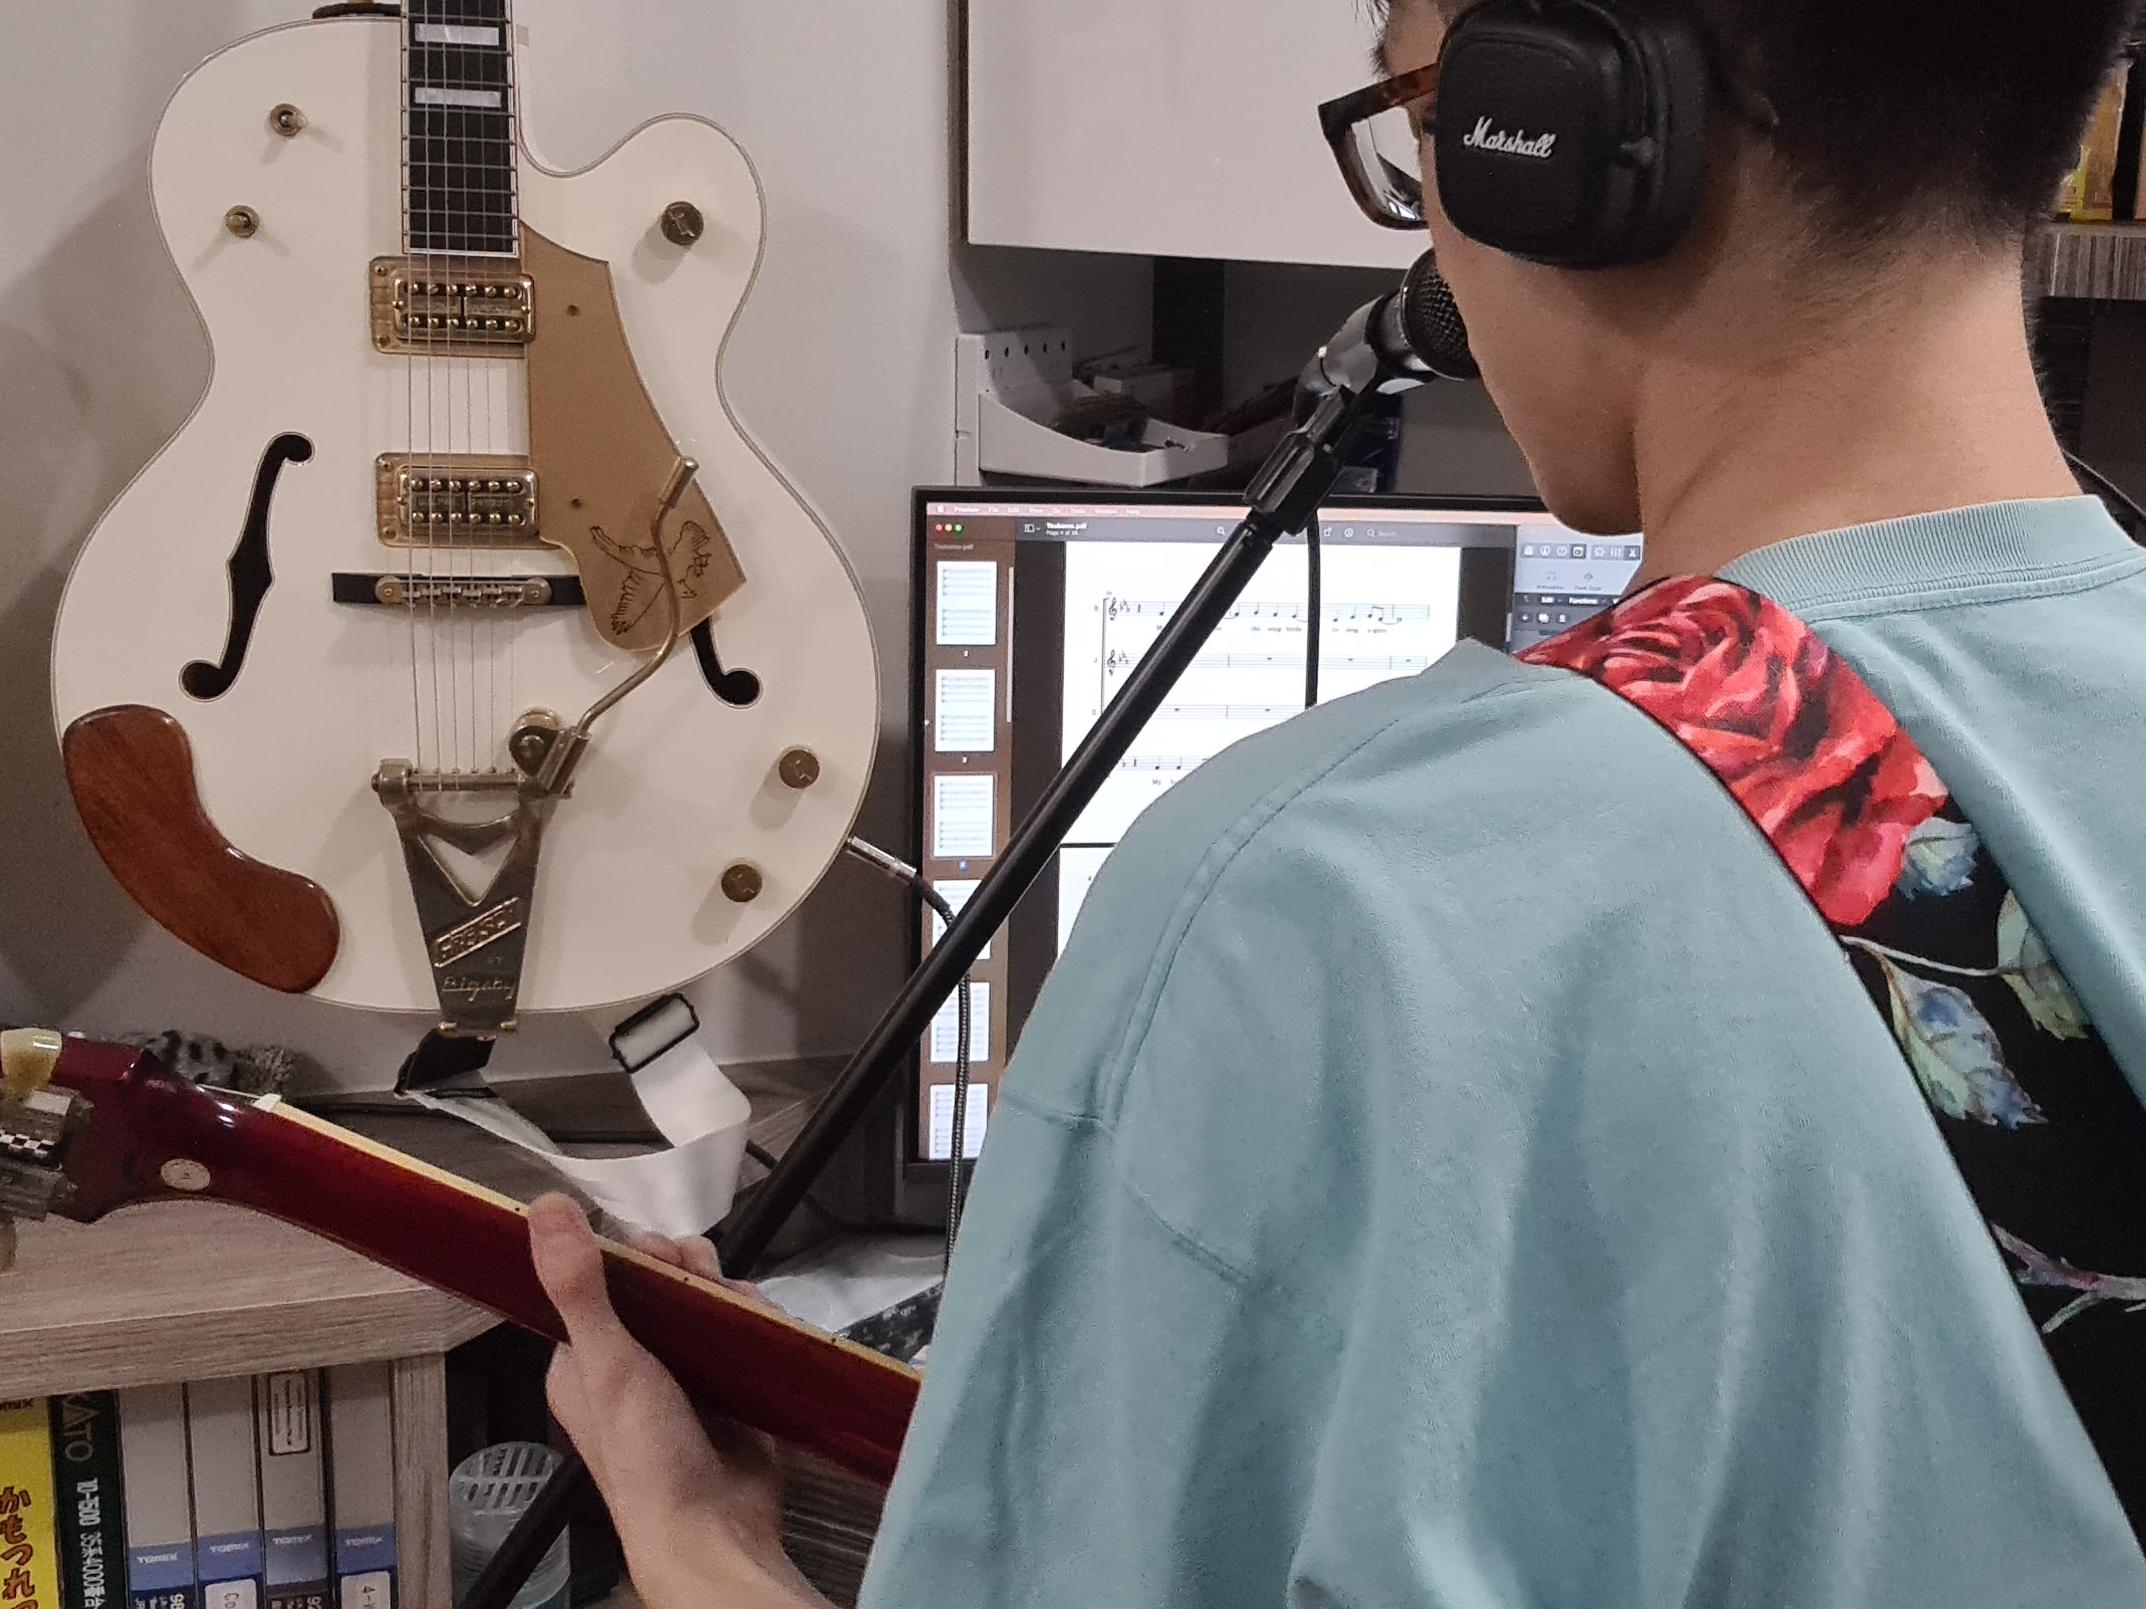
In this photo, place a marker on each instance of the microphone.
(1409, 337)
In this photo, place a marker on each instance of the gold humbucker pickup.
(457, 500)
(459, 312)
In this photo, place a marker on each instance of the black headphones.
(1573, 132)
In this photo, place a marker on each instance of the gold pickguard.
(604, 456)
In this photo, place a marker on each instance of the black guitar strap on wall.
(447, 1064)
(2045, 1129)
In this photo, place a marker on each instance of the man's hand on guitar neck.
(699, 1514)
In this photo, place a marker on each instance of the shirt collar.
(1896, 561)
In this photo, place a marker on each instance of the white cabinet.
(1173, 128)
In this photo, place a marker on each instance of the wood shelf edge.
(195, 1291)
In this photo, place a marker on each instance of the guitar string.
(409, 418)
(498, 620)
(514, 623)
(462, 621)
(458, 227)
(435, 148)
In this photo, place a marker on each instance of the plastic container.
(485, 1496)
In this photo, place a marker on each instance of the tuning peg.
(27, 1058)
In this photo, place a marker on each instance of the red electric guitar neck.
(86, 1129)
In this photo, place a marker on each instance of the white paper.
(946, 1027)
(968, 603)
(956, 891)
(965, 711)
(975, 1115)
(678, 1191)
(961, 816)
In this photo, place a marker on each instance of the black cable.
(2109, 489)
(1314, 612)
(901, 871)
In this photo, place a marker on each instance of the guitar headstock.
(76, 1125)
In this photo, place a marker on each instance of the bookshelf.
(196, 1291)
(2091, 261)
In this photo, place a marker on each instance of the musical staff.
(1113, 607)
(1227, 712)
(1118, 659)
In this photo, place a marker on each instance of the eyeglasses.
(1377, 136)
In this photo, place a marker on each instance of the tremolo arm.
(475, 941)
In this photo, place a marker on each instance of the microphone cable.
(902, 872)
(2110, 492)
(1314, 612)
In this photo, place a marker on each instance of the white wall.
(843, 370)
(1183, 128)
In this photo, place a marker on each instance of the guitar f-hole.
(250, 574)
(737, 688)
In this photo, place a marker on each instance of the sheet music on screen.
(1034, 606)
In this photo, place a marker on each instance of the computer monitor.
(1032, 607)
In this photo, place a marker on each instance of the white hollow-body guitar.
(462, 471)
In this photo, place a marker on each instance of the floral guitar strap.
(2043, 1126)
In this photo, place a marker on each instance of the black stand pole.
(1284, 496)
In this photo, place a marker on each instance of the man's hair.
(1963, 115)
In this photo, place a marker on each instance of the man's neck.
(1909, 403)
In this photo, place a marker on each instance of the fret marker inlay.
(455, 33)
(433, 95)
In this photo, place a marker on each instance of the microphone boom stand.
(1284, 496)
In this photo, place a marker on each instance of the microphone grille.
(1432, 325)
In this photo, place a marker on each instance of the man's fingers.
(700, 1258)
(696, 1255)
(661, 1247)
(571, 1269)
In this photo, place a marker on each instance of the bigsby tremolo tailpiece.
(36, 1122)
(475, 941)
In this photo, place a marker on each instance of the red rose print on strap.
(1783, 721)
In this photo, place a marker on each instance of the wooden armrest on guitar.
(88, 1129)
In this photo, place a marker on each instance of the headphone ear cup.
(1572, 132)
(1672, 56)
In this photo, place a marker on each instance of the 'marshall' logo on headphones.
(1485, 138)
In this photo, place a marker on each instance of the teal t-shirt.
(1451, 1166)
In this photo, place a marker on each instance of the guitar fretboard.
(458, 128)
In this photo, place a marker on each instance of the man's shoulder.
(1479, 754)
(1486, 820)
